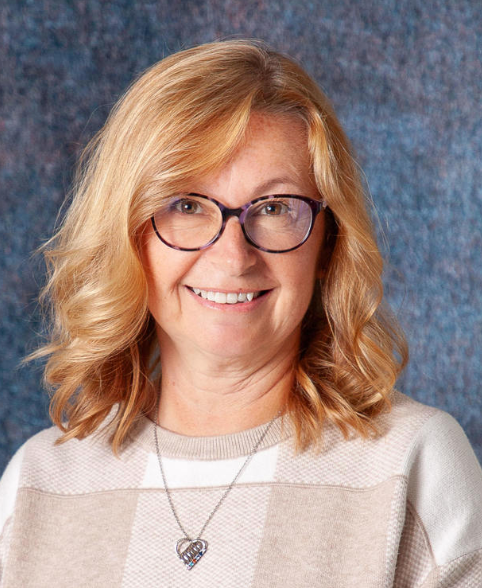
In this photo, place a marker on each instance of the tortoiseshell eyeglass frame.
(316, 206)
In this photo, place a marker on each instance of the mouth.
(227, 297)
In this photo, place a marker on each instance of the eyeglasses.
(275, 224)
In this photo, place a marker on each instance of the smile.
(226, 297)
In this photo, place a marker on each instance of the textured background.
(405, 77)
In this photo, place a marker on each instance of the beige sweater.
(404, 510)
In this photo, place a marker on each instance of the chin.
(231, 345)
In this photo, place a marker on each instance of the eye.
(186, 206)
(274, 208)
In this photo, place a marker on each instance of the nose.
(232, 251)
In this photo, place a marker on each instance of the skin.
(228, 367)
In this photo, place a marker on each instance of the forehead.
(281, 134)
(272, 152)
(276, 124)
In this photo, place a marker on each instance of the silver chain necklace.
(191, 550)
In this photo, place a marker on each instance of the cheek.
(154, 292)
(317, 249)
(165, 270)
(155, 271)
(304, 272)
(299, 279)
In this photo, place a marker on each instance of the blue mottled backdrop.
(405, 77)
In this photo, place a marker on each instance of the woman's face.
(273, 159)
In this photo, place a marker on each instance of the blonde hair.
(185, 116)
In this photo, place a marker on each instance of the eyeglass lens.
(188, 221)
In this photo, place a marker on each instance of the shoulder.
(73, 467)
(406, 434)
(430, 439)
(432, 447)
(12, 477)
(35, 454)
(443, 478)
(9, 483)
(26, 452)
(43, 461)
(412, 429)
(406, 417)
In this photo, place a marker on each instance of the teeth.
(220, 297)
(225, 297)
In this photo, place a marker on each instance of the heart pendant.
(191, 554)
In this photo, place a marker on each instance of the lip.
(238, 291)
(239, 307)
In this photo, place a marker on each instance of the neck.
(208, 396)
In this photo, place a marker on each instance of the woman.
(222, 364)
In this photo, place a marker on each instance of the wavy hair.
(185, 116)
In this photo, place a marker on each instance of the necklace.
(190, 550)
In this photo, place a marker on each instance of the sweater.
(403, 509)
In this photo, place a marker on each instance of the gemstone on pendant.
(190, 552)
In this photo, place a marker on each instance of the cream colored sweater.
(403, 510)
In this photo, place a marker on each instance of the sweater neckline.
(213, 447)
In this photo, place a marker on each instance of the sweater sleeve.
(444, 508)
(9, 484)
